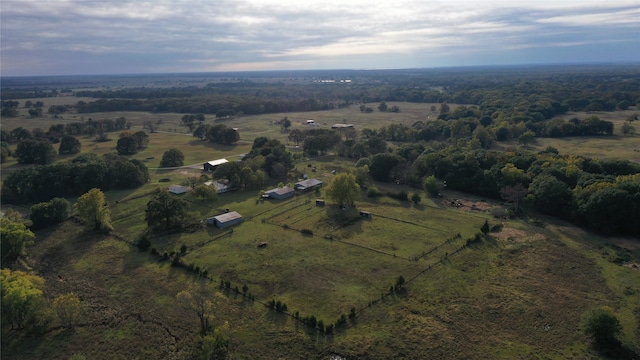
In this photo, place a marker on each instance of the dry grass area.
(496, 301)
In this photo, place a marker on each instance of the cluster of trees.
(277, 160)
(249, 174)
(23, 305)
(49, 213)
(35, 151)
(73, 178)
(603, 195)
(9, 108)
(15, 238)
(166, 212)
(189, 120)
(129, 143)
(25, 308)
(40, 150)
(220, 134)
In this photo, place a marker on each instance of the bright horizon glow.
(76, 37)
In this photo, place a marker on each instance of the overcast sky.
(60, 37)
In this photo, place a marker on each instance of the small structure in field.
(365, 214)
(307, 184)
(342, 126)
(178, 189)
(280, 193)
(225, 220)
(213, 164)
(221, 187)
(262, 245)
(320, 202)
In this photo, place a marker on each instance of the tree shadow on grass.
(212, 145)
(615, 351)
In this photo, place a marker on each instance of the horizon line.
(510, 65)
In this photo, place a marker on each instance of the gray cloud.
(75, 36)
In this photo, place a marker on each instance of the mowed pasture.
(324, 274)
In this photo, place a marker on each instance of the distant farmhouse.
(225, 220)
(307, 184)
(342, 126)
(213, 164)
(280, 193)
(178, 189)
(220, 187)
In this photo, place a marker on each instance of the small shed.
(221, 187)
(307, 184)
(320, 202)
(177, 189)
(213, 164)
(365, 214)
(342, 126)
(225, 220)
(280, 193)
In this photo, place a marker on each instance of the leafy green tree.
(627, 128)
(285, 123)
(297, 135)
(93, 210)
(35, 112)
(383, 166)
(431, 185)
(199, 299)
(550, 195)
(127, 145)
(602, 325)
(511, 175)
(172, 158)
(21, 133)
(142, 139)
(35, 152)
(204, 192)
(15, 238)
(67, 307)
(343, 189)
(415, 198)
(362, 175)
(50, 213)
(69, 145)
(383, 106)
(201, 131)
(9, 108)
(527, 138)
(215, 344)
(21, 297)
(165, 211)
